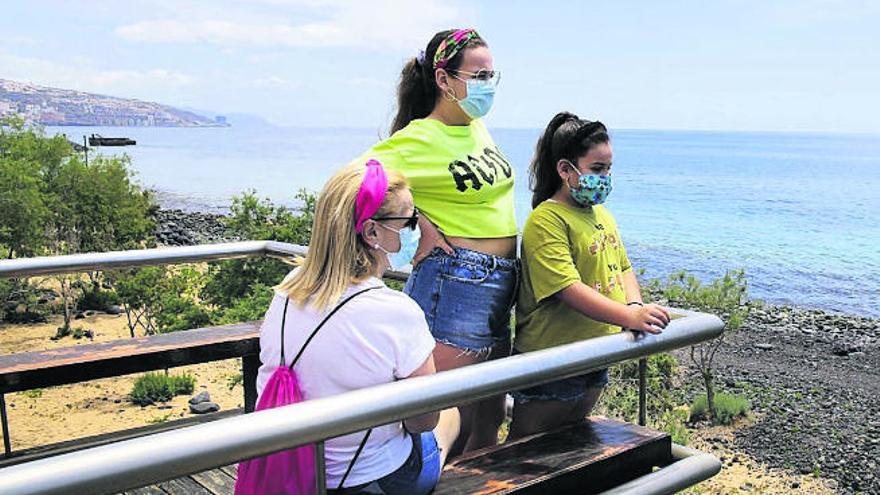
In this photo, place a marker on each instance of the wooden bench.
(587, 458)
(582, 459)
(31, 370)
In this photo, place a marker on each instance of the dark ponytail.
(417, 90)
(566, 137)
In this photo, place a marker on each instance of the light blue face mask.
(409, 242)
(480, 95)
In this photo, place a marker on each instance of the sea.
(797, 211)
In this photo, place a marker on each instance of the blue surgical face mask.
(409, 242)
(480, 95)
(591, 189)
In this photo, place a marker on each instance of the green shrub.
(254, 219)
(97, 299)
(33, 393)
(248, 308)
(727, 407)
(76, 333)
(159, 387)
(673, 422)
(621, 397)
(234, 379)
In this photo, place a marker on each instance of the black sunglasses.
(411, 221)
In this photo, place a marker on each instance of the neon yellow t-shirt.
(459, 178)
(562, 245)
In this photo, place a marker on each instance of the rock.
(200, 397)
(204, 407)
(845, 348)
(114, 309)
(764, 346)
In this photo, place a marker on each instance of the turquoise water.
(797, 211)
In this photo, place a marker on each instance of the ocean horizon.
(794, 209)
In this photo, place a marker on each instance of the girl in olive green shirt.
(577, 281)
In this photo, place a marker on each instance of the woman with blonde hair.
(369, 334)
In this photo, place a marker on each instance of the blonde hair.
(338, 256)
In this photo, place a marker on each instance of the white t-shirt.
(378, 337)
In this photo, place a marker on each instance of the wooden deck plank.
(27, 370)
(231, 470)
(183, 486)
(603, 451)
(147, 490)
(215, 481)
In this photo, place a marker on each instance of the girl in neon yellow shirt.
(465, 268)
(577, 280)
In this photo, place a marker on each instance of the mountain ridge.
(67, 107)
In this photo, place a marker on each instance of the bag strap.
(315, 331)
(303, 348)
(353, 459)
(283, 319)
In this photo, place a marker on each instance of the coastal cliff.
(54, 106)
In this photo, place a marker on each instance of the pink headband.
(371, 194)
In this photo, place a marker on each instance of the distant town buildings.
(53, 106)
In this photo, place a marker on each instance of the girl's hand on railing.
(431, 238)
(649, 318)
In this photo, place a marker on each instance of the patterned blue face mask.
(591, 189)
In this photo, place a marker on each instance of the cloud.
(379, 24)
(274, 82)
(134, 83)
(811, 13)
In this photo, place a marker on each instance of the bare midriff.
(499, 246)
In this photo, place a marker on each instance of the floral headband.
(453, 44)
(371, 194)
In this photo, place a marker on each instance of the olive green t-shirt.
(562, 245)
(459, 178)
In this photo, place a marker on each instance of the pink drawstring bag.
(289, 472)
(286, 472)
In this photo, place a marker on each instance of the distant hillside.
(53, 106)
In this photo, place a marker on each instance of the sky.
(748, 65)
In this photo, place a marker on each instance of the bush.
(621, 398)
(97, 299)
(727, 407)
(254, 219)
(76, 333)
(726, 296)
(159, 387)
(248, 308)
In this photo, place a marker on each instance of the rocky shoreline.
(812, 378)
(176, 227)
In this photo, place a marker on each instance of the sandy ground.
(56, 414)
(741, 474)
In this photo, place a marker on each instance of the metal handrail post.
(320, 469)
(7, 443)
(643, 391)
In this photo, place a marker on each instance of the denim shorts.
(566, 390)
(418, 475)
(466, 297)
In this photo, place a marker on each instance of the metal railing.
(163, 456)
